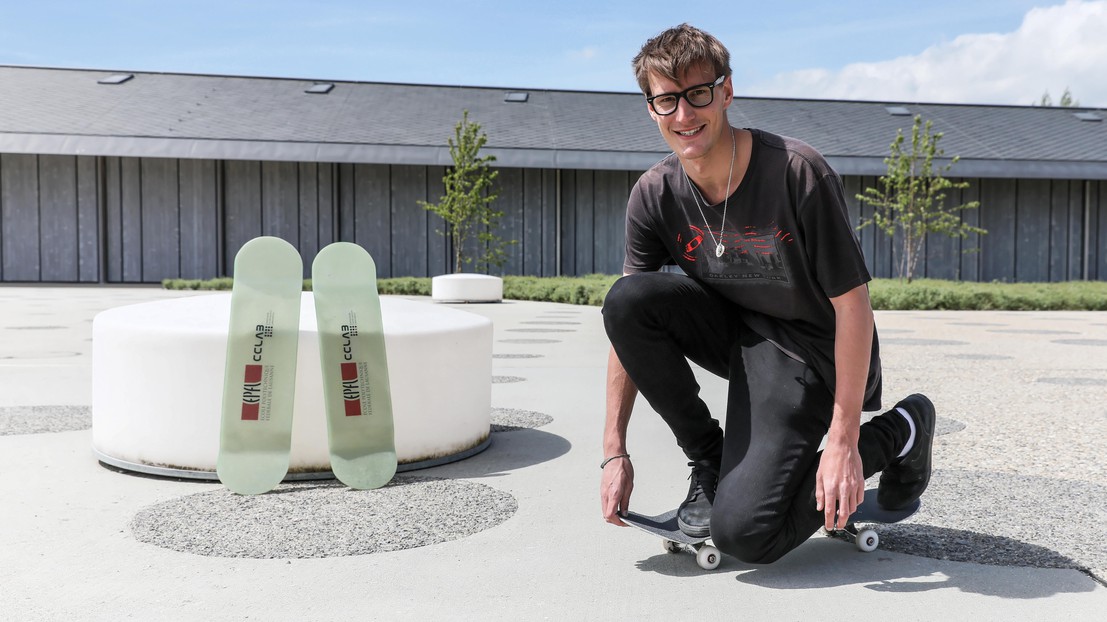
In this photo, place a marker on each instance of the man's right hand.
(615, 488)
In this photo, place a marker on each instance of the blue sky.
(966, 51)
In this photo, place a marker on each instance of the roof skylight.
(118, 78)
(517, 97)
(898, 111)
(320, 89)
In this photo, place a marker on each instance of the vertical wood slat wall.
(85, 219)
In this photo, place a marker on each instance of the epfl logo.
(351, 394)
(251, 382)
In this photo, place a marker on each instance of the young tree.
(467, 205)
(1067, 100)
(911, 197)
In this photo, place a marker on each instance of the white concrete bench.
(158, 370)
(467, 288)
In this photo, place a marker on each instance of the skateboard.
(355, 366)
(867, 540)
(708, 557)
(673, 539)
(255, 435)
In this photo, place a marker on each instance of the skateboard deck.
(869, 511)
(255, 435)
(355, 366)
(673, 539)
(665, 527)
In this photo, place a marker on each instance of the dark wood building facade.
(78, 208)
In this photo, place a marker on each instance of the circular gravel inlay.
(518, 356)
(540, 330)
(30, 356)
(36, 327)
(1033, 331)
(910, 341)
(315, 520)
(977, 324)
(551, 323)
(530, 341)
(507, 379)
(1081, 342)
(980, 357)
(511, 419)
(15, 420)
(1006, 519)
(1074, 381)
(945, 425)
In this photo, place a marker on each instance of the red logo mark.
(251, 393)
(350, 393)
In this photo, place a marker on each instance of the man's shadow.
(941, 558)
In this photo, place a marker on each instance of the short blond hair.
(674, 51)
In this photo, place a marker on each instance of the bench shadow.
(509, 451)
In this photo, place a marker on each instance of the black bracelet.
(604, 463)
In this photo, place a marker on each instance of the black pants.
(778, 409)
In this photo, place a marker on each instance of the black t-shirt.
(789, 246)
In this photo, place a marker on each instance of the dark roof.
(66, 111)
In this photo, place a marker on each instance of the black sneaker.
(694, 515)
(905, 479)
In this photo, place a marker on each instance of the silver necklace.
(719, 248)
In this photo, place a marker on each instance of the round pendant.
(719, 250)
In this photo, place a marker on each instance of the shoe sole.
(693, 532)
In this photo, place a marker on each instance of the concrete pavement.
(1014, 525)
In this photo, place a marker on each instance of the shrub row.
(888, 294)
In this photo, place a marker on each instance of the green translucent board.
(355, 366)
(255, 436)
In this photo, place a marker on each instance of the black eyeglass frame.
(710, 85)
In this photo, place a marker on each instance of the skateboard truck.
(673, 540)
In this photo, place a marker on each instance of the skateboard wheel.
(670, 546)
(708, 557)
(867, 541)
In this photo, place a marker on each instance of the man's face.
(693, 132)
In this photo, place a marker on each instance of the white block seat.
(157, 381)
(467, 288)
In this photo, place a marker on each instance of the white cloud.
(584, 54)
(1054, 48)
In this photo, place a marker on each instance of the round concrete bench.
(467, 288)
(157, 381)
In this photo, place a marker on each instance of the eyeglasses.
(699, 96)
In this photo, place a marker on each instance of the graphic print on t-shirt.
(753, 252)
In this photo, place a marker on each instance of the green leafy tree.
(1067, 100)
(911, 197)
(467, 205)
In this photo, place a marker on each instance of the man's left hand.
(839, 483)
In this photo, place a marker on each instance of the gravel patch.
(507, 379)
(910, 341)
(517, 356)
(316, 520)
(15, 420)
(1033, 331)
(541, 330)
(1005, 519)
(511, 419)
(530, 341)
(980, 357)
(1074, 381)
(1081, 342)
(551, 323)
